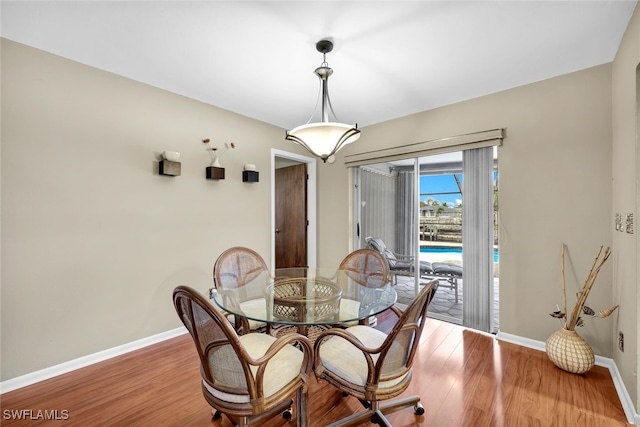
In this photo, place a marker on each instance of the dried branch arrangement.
(581, 309)
(215, 153)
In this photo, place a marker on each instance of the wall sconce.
(249, 174)
(169, 165)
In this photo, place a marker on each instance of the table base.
(310, 331)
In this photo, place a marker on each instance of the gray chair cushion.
(447, 269)
(378, 245)
(396, 265)
(425, 267)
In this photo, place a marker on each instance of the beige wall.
(626, 199)
(93, 239)
(555, 186)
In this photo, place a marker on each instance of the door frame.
(311, 203)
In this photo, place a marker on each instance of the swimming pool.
(435, 254)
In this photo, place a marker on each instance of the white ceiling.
(391, 58)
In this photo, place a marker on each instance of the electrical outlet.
(621, 341)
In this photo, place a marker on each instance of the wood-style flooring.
(465, 378)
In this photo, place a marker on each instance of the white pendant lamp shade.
(324, 138)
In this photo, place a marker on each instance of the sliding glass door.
(386, 214)
(437, 213)
(441, 244)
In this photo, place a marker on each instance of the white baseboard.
(81, 362)
(606, 362)
(525, 342)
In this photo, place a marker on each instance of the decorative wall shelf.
(250, 176)
(215, 173)
(169, 168)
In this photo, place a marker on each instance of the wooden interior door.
(291, 216)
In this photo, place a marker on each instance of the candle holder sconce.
(169, 165)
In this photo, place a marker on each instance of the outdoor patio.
(443, 306)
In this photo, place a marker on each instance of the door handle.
(277, 230)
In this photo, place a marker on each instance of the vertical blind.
(406, 213)
(377, 197)
(477, 238)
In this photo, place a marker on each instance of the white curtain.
(477, 238)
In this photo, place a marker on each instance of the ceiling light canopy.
(324, 138)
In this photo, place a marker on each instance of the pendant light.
(324, 138)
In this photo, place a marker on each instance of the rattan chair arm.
(229, 299)
(273, 349)
(255, 382)
(241, 324)
(396, 311)
(279, 344)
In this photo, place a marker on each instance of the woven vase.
(568, 351)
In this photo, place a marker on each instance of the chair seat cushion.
(346, 361)
(349, 309)
(282, 368)
(256, 309)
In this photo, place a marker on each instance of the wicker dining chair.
(369, 269)
(233, 269)
(366, 267)
(373, 366)
(249, 378)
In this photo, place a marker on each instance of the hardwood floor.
(465, 378)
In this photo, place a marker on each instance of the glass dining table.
(306, 300)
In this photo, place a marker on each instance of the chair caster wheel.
(288, 414)
(217, 415)
(419, 409)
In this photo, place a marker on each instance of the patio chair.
(372, 366)
(249, 378)
(404, 265)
